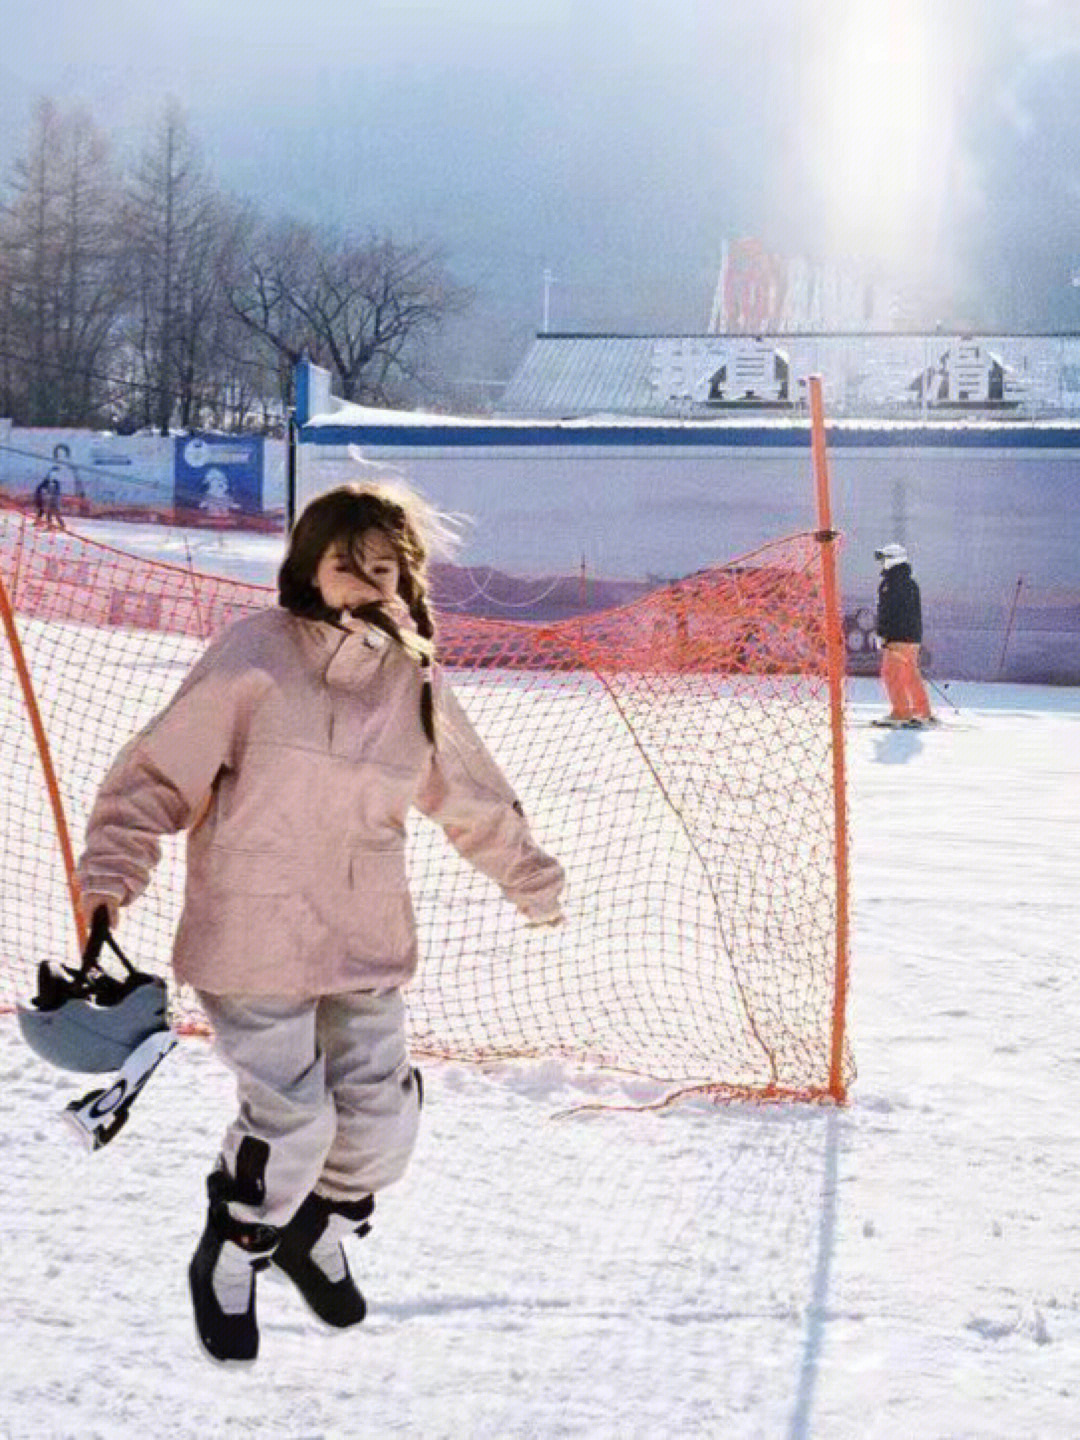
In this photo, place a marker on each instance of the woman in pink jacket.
(292, 754)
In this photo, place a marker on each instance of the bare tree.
(239, 370)
(12, 371)
(359, 307)
(64, 292)
(31, 235)
(154, 300)
(92, 295)
(174, 222)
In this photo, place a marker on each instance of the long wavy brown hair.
(341, 517)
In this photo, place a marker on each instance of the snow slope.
(907, 1267)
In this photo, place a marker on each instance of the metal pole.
(290, 472)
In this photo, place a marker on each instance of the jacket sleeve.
(885, 624)
(915, 603)
(466, 793)
(160, 780)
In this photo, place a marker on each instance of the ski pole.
(935, 686)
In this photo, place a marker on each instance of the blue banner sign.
(219, 476)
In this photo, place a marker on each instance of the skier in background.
(47, 492)
(47, 503)
(39, 502)
(292, 754)
(899, 634)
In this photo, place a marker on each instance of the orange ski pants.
(903, 683)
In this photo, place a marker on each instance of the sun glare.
(888, 118)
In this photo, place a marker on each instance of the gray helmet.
(87, 1019)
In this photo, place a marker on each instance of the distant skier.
(47, 503)
(48, 492)
(899, 631)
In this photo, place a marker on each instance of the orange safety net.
(675, 754)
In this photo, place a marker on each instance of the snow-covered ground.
(907, 1268)
(237, 554)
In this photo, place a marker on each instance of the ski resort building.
(882, 375)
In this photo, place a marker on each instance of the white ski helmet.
(87, 1019)
(892, 554)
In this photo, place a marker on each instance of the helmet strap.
(100, 936)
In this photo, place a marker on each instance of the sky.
(616, 145)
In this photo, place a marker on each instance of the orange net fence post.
(676, 753)
(44, 753)
(834, 632)
(100, 640)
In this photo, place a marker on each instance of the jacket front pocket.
(377, 871)
(382, 927)
(251, 872)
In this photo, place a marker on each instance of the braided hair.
(343, 516)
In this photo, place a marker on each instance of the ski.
(904, 727)
(101, 1114)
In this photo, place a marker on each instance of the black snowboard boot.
(310, 1253)
(222, 1275)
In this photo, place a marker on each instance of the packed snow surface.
(908, 1266)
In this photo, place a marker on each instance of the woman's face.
(339, 585)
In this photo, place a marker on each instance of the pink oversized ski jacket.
(292, 753)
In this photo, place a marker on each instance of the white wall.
(135, 470)
(976, 520)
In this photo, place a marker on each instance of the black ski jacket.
(899, 609)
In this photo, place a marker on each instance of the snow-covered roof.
(335, 422)
(564, 375)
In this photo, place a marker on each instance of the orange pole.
(7, 613)
(828, 537)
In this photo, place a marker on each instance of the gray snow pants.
(327, 1084)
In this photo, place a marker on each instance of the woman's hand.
(90, 903)
(552, 916)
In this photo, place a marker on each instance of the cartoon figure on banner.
(218, 500)
(67, 469)
(218, 477)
